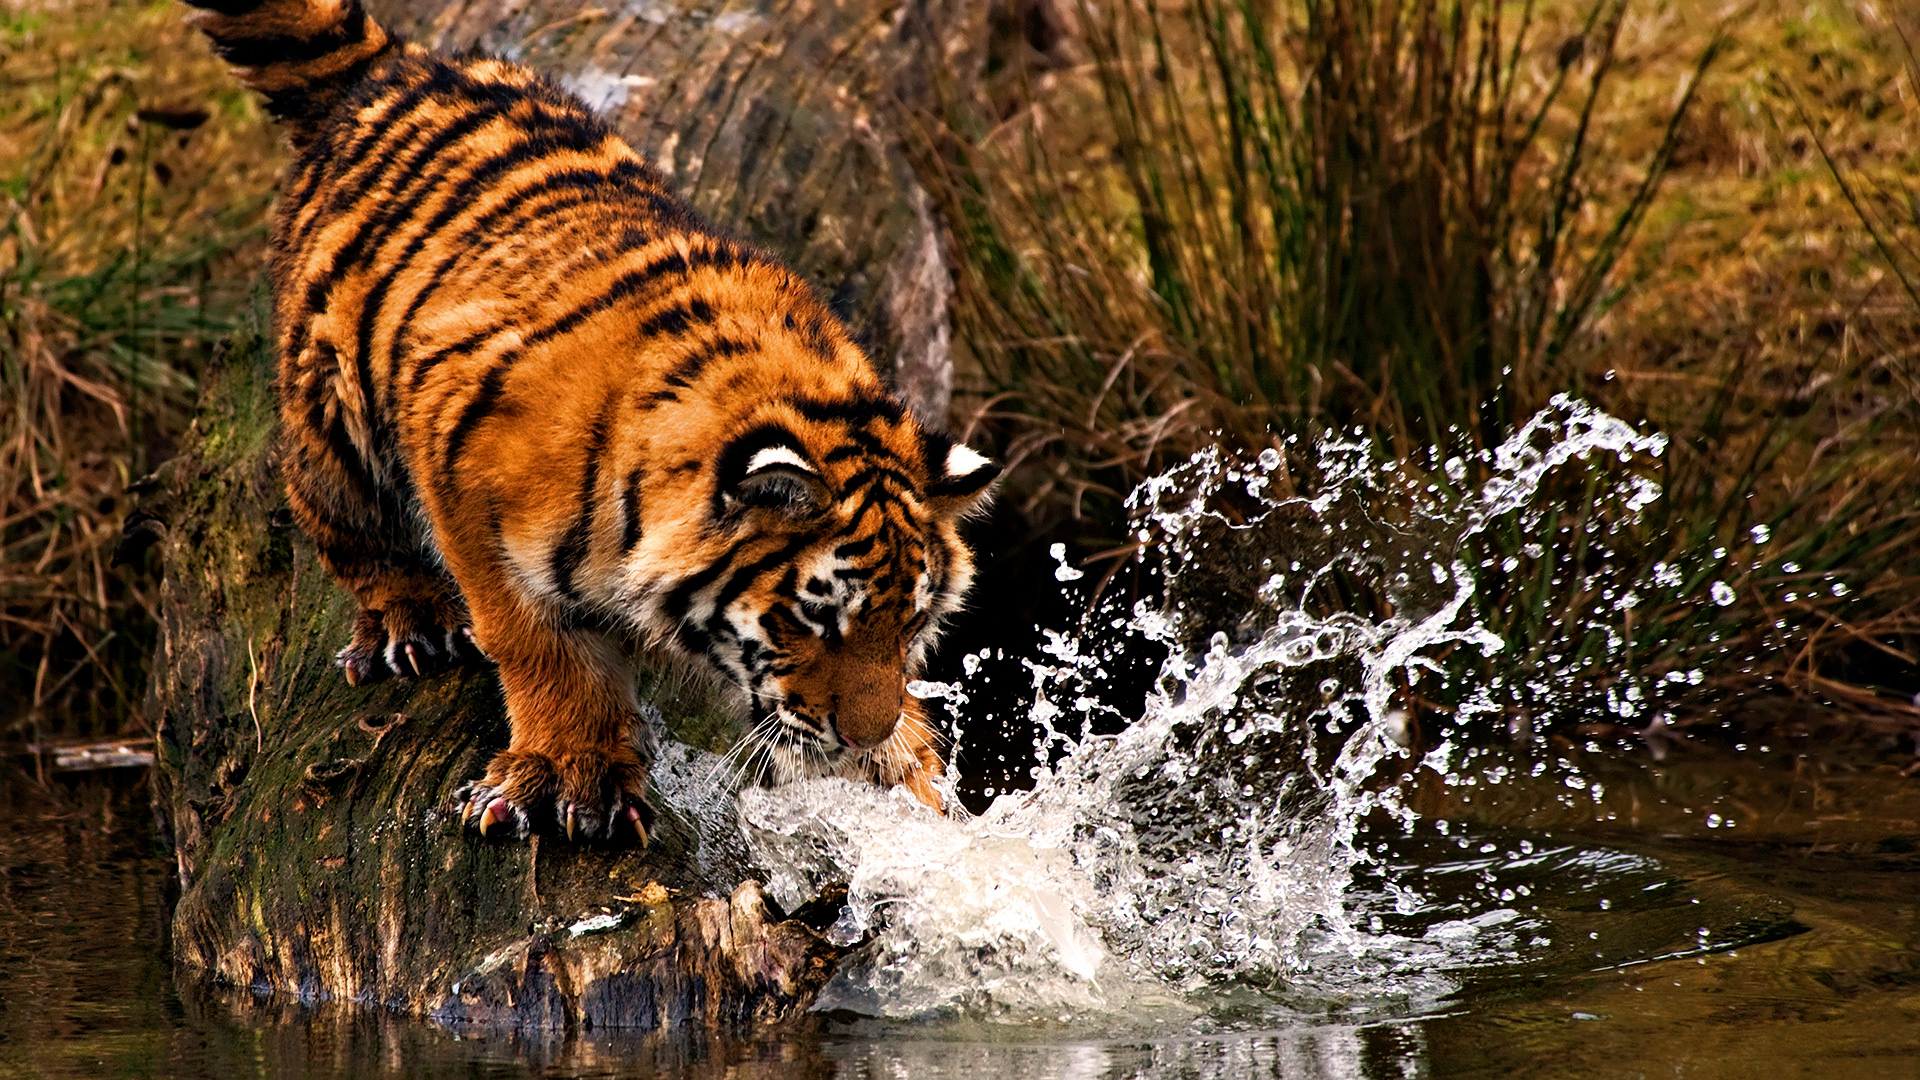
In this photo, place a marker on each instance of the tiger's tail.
(304, 55)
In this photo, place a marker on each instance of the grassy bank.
(134, 180)
(1186, 221)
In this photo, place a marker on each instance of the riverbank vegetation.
(1416, 223)
(134, 181)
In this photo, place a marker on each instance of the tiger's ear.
(959, 480)
(774, 477)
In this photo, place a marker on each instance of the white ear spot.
(777, 455)
(962, 461)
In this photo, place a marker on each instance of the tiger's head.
(833, 557)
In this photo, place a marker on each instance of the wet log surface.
(310, 821)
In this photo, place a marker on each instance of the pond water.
(1811, 965)
(1349, 829)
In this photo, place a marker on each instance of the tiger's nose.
(866, 709)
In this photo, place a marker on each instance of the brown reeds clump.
(124, 190)
(1186, 221)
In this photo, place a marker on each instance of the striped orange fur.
(535, 409)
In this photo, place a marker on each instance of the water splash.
(1214, 841)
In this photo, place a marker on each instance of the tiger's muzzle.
(850, 695)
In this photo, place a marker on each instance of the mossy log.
(310, 821)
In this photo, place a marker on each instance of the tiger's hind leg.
(412, 621)
(411, 624)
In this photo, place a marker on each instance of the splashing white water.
(1214, 839)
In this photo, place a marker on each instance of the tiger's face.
(837, 557)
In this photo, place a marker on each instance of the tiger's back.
(534, 407)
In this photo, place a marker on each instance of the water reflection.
(1324, 1052)
(86, 989)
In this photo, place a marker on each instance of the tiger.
(534, 411)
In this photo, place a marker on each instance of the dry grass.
(1191, 219)
(134, 180)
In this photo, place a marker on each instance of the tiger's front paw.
(583, 795)
(408, 640)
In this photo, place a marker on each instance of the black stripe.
(380, 142)
(855, 411)
(853, 549)
(675, 320)
(814, 336)
(329, 360)
(875, 471)
(874, 498)
(572, 549)
(680, 597)
(348, 458)
(622, 287)
(306, 105)
(419, 181)
(416, 180)
(630, 500)
(459, 348)
(689, 368)
(573, 184)
(634, 281)
(745, 578)
(269, 49)
(691, 638)
(750, 651)
(458, 201)
(484, 401)
(375, 131)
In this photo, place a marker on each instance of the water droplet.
(1723, 593)
(1064, 571)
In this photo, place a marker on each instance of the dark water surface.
(1786, 945)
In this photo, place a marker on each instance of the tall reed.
(121, 200)
(1247, 219)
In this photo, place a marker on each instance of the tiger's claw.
(496, 812)
(583, 796)
(409, 641)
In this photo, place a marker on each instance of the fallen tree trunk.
(310, 821)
